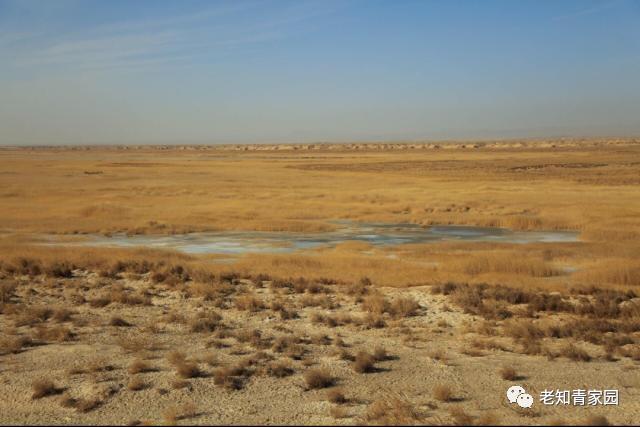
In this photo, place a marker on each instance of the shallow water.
(239, 242)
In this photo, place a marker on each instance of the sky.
(163, 72)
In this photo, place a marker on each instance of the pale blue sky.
(82, 71)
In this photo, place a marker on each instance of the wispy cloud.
(157, 40)
(600, 7)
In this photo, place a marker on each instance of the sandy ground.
(438, 330)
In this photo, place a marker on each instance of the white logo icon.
(525, 400)
(517, 394)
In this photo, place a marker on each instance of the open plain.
(420, 333)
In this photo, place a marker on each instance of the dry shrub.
(323, 301)
(338, 412)
(176, 357)
(121, 295)
(23, 266)
(67, 401)
(62, 314)
(374, 321)
(61, 269)
(87, 405)
(55, 333)
(188, 369)
(289, 345)
(440, 355)
(446, 288)
(44, 387)
(188, 410)
(359, 289)
(487, 419)
(7, 291)
(320, 339)
(375, 304)
(574, 353)
(336, 396)
(100, 302)
(118, 321)
(364, 362)
(170, 415)
(99, 364)
(253, 337)
(392, 410)
(185, 368)
(15, 344)
(210, 359)
(280, 369)
(178, 384)
(31, 316)
(207, 321)
(443, 393)
(522, 330)
(404, 307)
(509, 374)
(596, 420)
(136, 384)
(207, 291)
(318, 378)
(139, 366)
(232, 378)
(173, 414)
(344, 354)
(460, 417)
(380, 354)
(473, 352)
(249, 302)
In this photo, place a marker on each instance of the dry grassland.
(420, 333)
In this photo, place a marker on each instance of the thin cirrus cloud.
(135, 43)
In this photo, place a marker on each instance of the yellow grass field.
(144, 335)
(592, 187)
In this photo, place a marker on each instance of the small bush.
(364, 363)
(44, 387)
(249, 303)
(336, 396)
(187, 369)
(87, 405)
(139, 366)
(59, 269)
(338, 412)
(62, 314)
(13, 344)
(207, 321)
(375, 304)
(380, 354)
(392, 410)
(318, 378)
(443, 393)
(508, 373)
(230, 377)
(596, 420)
(575, 353)
(136, 384)
(118, 321)
(7, 291)
(404, 307)
(280, 369)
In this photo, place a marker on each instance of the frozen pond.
(238, 242)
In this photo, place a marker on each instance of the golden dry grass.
(524, 188)
(589, 186)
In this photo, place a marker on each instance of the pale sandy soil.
(412, 371)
